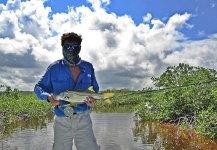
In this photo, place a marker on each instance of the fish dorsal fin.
(91, 89)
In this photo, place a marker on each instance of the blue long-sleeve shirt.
(58, 78)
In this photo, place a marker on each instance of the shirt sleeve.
(44, 87)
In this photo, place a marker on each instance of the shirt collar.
(68, 64)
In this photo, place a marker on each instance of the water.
(29, 139)
(114, 131)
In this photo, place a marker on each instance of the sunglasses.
(74, 47)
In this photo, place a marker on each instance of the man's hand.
(53, 101)
(90, 101)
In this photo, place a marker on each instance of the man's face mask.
(71, 53)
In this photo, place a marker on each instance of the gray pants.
(77, 127)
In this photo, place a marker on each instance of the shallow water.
(114, 131)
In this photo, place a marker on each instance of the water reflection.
(114, 130)
(165, 136)
(34, 134)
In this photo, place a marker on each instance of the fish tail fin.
(107, 101)
(107, 95)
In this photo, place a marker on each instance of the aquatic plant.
(188, 94)
(19, 105)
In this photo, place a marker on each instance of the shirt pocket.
(61, 84)
(85, 83)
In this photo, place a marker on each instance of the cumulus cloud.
(147, 18)
(97, 4)
(196, 53)
(124, 55)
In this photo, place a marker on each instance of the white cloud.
(124, 55)
(196, 53)
(97, 4)
(201, 33)
(177, 21)
(147, 18)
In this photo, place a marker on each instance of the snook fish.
(78, 97)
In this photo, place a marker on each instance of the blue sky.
(164, 9)
(127, 41)
(204, 12)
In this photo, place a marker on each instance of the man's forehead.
(70, 42)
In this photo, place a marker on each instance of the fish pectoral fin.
(73, 104)
(107, 101)
(108, 95)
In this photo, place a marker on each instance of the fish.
(78, 97)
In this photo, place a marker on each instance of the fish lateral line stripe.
(79, 94)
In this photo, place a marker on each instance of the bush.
(186, 95)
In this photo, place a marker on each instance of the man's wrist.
(50, 98)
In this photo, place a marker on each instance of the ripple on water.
(113, 131)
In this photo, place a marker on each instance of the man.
(70, 73)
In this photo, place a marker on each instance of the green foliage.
(183, 75)
(188, 92)
(16, 105)
(207, 122)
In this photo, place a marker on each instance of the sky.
(127, 41)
